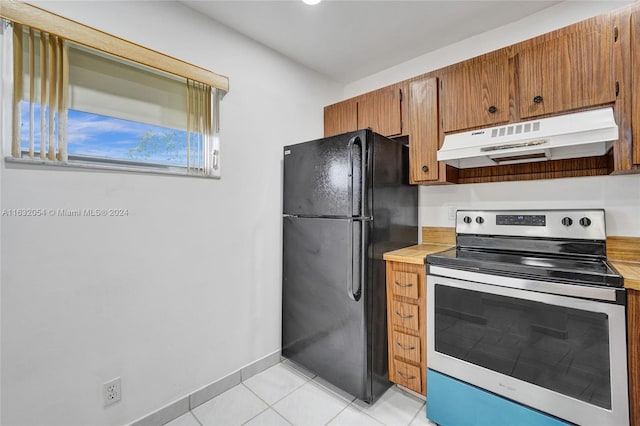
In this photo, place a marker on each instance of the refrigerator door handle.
(357, 294)
(354, 141)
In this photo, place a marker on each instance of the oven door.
(564, 356)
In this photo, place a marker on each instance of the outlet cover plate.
(112, 391)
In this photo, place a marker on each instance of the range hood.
(581, 134)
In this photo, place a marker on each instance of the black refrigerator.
(347, 200)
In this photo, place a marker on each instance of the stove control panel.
(521, 219)
(572, 224)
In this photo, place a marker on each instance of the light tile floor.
(287, 395)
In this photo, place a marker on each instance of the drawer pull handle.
(405, 377)
(406, 348)
(404, 316)
(404, 285)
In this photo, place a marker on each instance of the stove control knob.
(585, 221)
(479, 220)
(567, 221)
(467, 219)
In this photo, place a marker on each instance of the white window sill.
(108, 165)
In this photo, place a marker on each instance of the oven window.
(562, 349)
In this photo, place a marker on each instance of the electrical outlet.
(112, 391)
(451, 212)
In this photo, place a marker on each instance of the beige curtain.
(40, 57)
(41, 84)
(200, 132)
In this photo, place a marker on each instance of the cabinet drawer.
(405, 284)
(408, 375)
(405, 315)
(406, 346)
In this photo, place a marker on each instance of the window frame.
(31, 16)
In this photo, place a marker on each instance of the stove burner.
(565, 246)
(569, 270)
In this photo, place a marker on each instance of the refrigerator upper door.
(323, 304)
(324, 177)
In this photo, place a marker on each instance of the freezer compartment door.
(323, 303)
(324, 177)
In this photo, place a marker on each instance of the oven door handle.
(608, 294)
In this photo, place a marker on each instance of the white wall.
(184, 290)
(618, 195)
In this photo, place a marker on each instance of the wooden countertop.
(417, 255)
(414, 254)
(630, 271)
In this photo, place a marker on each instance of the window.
(89, 104)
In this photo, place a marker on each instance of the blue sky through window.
(107, 137)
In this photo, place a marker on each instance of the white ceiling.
(349, 40)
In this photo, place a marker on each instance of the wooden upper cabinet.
(381, 110)
(635, 85)
(568, 72)
(340, 118)
(476, 93)
(424, 136)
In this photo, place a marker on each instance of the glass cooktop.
(556, 268)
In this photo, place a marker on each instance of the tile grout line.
(257, 396)
(286, 395)
(196, 417)
(270, 406)
(337, 414)
(281, 415)
(415, 416)
(366, 414)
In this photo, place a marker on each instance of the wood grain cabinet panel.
(635, 85)
(407, 326)
(568, 72)
(424, 135)
(406, 346)
(407, 375)
(381, 111)
(476, 93)
(340, 118)
(405, 284)
(405, 315)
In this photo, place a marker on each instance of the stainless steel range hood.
(581, 134)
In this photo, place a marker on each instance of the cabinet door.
(476, 93)
(407, 325)
(340, 118)
(635, 93)
(571, 71)
(424, 137)
(381, 111)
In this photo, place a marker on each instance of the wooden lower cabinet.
(633, 351)
(406, 319)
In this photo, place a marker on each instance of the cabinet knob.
(492, 109)
(537, 99)
(425, 168)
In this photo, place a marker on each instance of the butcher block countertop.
(414, 254)
(630, 271)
